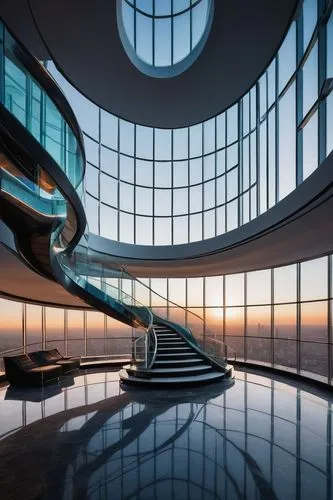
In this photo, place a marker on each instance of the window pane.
(162, 144)
(310, 146)
(259, 287)
(162, 231)
(287, 57)
(234, 290)
(285, 283)
(109, 130)
(214, 291)
(287, 143)
(180, 143)
(259, 321)
(144, 230)
(180, 230)
(162, 202)
(310, 80)
(195, 292)
(232, 124)
(109, 222)
(34, 326)
(285, 320)
(177, 291)
(259, 350)
(314, 358)
(309, 20)
(314, 321)
(234, 321)
(314, 284)
(144, 142)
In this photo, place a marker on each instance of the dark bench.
(53, 357)
(23, 371)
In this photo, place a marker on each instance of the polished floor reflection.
(259, 438)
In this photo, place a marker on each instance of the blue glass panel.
(15, 90)
(144, 38)
(310, 146)
(209, 136)
(309, 20)
(287, 57)
(144, 172)
(180, 143)
(310, 80)
(126, 139)
(180, 230)
(162, 200)
(109, 130)
(162, 144)
(196, 227)
(109, 161)
(144, 201)
(232, 215)
(209, 166)
(126, 168)
(209, 194)
(195, 171)
(126, 197)
(109, 190)
(209, 224)
(126, 227)
(162, 231)
(181, 37)
(232, 124)
(180, 173)
(144, 142)
(144, 230)
(287, 143)
(162, 42)
(180, 201)
(92, 180)
(109, 222)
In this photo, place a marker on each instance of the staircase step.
(174, 342)
(169, 337)
(177, 355)
(181, 370)
(174, 350)
(175, 363)
(173, 382)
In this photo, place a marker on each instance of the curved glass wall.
(162, 39)
(25, 98)
(165, 187)
(279, 317)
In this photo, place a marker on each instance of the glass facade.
(279, 317)
(166, 187)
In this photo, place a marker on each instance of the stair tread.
(186, 348)
(177, 354)
(214, 375)
(181, 369)
(179, 361)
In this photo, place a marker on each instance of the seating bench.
(53, 357)
(22, 371)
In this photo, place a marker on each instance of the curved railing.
(37, 105)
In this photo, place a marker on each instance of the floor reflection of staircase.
(176, 364)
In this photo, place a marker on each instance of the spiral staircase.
(42, 167)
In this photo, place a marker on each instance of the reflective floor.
(259, 438)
